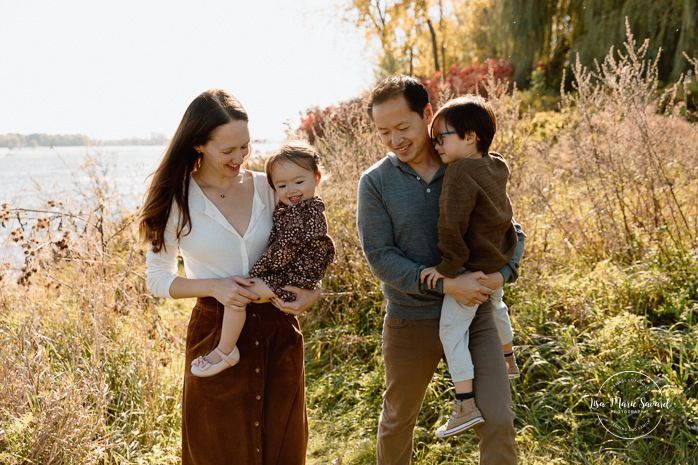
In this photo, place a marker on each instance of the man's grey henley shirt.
(397, 219)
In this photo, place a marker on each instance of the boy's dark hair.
(471, 113)
(400, 85)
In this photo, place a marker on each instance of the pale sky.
(115, 69)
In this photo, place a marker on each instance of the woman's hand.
(467, 288)
(305, 298)
(233, 292)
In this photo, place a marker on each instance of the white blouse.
(213, 248)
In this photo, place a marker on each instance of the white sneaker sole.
(459, 429)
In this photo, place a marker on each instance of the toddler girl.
(299, 252)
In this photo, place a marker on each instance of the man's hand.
(467, 288)
(492, 280)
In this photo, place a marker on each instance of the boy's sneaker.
(512, 367)
(465, 415)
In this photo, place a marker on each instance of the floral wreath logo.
(629, 405)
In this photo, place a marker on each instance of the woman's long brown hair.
(207, 112)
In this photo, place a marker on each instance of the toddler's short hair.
(298, 152)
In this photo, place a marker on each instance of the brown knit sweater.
(475, 227)
(299, 249)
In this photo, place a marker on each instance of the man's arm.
(468, 288)
(510, 270)
(387, 262)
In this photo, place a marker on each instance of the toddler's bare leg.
(233, 321)
(260, 288)
(225, 354)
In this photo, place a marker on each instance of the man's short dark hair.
(400, 85)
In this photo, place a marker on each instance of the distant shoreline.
(19, 141)
(14, 141)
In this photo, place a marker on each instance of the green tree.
(423, 36)
(410, 33)
(553, 32)
(525, 32)
(670, 25)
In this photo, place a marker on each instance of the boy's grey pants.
(454, 332)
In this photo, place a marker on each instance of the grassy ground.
(606, 189)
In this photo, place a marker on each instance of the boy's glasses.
(439, 138)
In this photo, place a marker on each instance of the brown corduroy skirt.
(254, 412)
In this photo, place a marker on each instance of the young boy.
(475, 233)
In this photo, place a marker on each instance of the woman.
(203, 204)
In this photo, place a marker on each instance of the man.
(398, 210)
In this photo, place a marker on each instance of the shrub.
(467, 80)
(343, 117)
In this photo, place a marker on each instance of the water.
(29, 177)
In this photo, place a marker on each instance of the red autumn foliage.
(469, 80)
(441, 86)
(343, 116)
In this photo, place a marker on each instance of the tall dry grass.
(627, 160)
(90, 368)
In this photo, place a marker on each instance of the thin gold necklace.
(208, 185)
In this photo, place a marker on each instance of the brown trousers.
(411, 352)
(254, 412)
